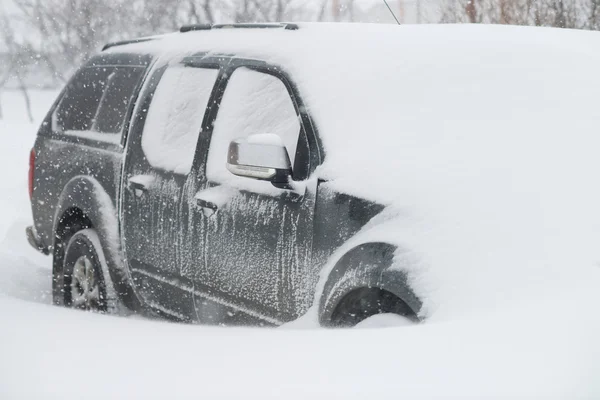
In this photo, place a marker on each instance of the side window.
(175, 117)
(80, 102)
(97, 100)
(253, 102)
(117, 97)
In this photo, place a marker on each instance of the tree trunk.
(504, 19)
(279, 11)
(335, 10)
(401, 11)
(208, 11)
(321, 15)
(23, 90)
(471, 11)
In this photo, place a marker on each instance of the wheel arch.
(84, 203)
(366, 266)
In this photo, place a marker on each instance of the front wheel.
(372, 307)
(85, 274)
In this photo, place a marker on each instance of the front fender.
(368, 265)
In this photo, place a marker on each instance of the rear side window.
(175, 117)
(97, 100)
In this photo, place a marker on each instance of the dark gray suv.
(185, 182)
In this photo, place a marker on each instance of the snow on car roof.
(481, 139)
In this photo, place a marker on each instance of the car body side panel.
(75, 172)
(59, 161)
(60, 157)
(338, 218)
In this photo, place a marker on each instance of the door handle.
(206, 204)
(140, 184)
(208, 207)
(213, 198)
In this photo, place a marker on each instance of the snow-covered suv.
(243, 174)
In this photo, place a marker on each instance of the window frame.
(308, 129)
(65, 93)
(133, 144)
(132, 98)
(159, 75)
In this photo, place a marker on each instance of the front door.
(157, 183)
(257, 238)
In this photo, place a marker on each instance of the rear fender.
(86, 194)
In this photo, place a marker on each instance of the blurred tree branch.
(20, 58)
(576, 14)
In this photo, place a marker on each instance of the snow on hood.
(482, 140)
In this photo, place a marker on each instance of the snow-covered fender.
(368, 265)
(86, 198)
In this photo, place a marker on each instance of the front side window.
(175, 117)
(97, 101)
(253, 103)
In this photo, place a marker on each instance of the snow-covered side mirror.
(262, 157)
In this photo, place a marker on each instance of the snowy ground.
(547, 348)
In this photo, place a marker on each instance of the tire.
(362, 304)
(87, 284)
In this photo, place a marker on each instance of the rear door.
(160, 184)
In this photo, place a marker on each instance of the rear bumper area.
(34, 240)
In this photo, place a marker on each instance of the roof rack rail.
(124, 42)
(206, 27)
(195, 27)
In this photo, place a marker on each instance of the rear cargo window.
(96, 102)
(117, 97)
(79, 104)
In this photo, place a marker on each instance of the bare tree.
(556, 13)
(57, 36)
(74, 29)
(471, 11)
(593, 15)
(201, 12)
(20, 57)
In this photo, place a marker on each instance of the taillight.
(31, 169)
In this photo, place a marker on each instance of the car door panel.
(154, 244)
(160, 185)
(268, 241)
(257, 244)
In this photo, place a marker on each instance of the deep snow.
(540, 344)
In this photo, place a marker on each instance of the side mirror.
(262, 157)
